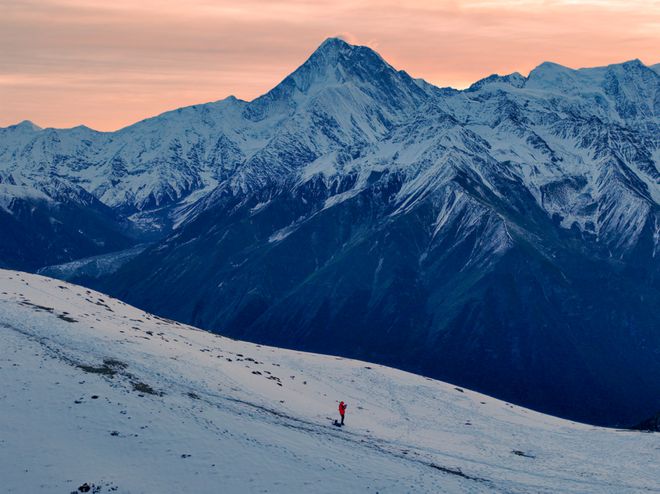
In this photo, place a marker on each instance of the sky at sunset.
(109, 63)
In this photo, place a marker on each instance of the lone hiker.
(342, 410)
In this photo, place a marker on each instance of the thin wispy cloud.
(108, 64)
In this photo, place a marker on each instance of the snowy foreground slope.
(96, 391)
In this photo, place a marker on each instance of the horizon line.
(339, 38)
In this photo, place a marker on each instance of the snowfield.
(96, 391)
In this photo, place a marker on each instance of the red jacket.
(342, 408)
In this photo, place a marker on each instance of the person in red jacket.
(342, 410)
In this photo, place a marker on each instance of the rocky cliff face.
(504, 237)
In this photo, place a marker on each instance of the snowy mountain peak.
(515, 79)
(339, 71)
(632, 69)
(634, 63)
(550, 75)
(548, 66)
(334, 45)
(636, 73)
(335, 62)
(335, 51)
(25, 126)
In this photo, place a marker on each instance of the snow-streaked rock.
(345, 109)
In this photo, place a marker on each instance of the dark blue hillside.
(549, 324)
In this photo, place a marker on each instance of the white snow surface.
(230, 416)
(93, 266)
(9, 193)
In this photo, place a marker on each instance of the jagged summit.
(334, 64)
(335, 51)
(549, 66)
(334, 45)
(515, 79)
(628, 87)
(550, 75)
(635, 62)
(551, 69)
(25, 125)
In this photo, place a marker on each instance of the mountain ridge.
(336, 42)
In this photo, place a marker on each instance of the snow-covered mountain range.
(505, 237)
(100, 393)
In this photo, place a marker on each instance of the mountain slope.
(59, 225)
(152, 173)
(127, 401)
(504, 237)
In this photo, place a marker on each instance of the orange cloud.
(108, 64)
